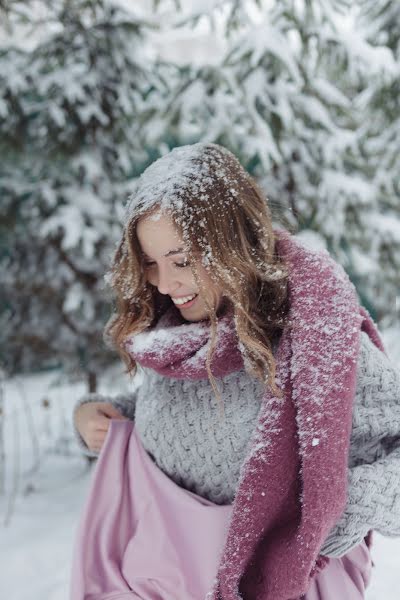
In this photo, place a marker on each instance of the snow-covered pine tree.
(378, 106)
(71, 109)
(267, 98)
(282, 97)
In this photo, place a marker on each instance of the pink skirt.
(143, 537)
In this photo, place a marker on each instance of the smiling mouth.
(185, 302)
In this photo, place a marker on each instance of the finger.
(109, 409)
(100, 423)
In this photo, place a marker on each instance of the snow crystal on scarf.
(166, 335)
(323, 341)
(162, 338)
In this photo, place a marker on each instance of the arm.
(124, 403)
(374, 463)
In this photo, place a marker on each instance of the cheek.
(208, 283)
(151, 276)
(184, 276)
(205, 278)
(203, 274)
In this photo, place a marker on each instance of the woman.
(268, 415)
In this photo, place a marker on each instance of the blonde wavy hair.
(228, 228)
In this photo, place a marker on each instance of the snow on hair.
(225, 223)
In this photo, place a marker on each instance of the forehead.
(157, 234)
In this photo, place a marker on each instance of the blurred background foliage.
(306, 94)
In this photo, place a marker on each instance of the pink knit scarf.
(293, 482)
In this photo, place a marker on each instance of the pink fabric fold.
(141, 535)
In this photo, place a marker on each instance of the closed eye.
(179, 265)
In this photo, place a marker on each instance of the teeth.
(183, 300)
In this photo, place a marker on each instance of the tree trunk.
(92, 382)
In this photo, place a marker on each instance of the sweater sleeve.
(125, 403)
(374, 463)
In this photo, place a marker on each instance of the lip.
(188, 304)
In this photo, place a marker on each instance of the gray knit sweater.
(180, 426)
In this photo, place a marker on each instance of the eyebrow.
(170, 253)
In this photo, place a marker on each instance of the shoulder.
(375, 370)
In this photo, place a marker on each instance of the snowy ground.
(46, 480)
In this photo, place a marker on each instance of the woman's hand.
(92, 419)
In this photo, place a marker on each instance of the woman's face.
(168, 269)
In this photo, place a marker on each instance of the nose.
(165, 281)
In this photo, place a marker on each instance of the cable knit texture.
(180, 426)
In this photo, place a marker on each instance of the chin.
(194, 318)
